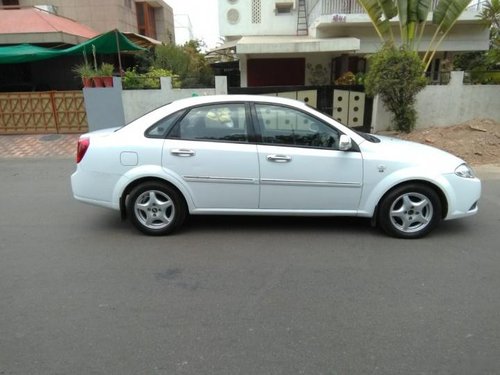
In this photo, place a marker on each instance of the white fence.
(113, 106)
(139, 102)
(445, 105)
(436, 105)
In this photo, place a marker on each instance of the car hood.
(408, 153)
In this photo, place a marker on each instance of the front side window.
(220, 122)
(290, 127)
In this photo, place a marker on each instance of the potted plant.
(106, 72)
(97, 79)
(346, 79)
(86, 72)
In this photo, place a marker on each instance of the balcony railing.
(327, 7)
(341, 6)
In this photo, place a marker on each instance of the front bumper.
(464, 195)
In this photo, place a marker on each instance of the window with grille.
(256, 11)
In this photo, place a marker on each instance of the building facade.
(153, 19)
(314, 42)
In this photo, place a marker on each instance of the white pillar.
(220, 85)
(243, 71)
(456, 78)
(166, 83)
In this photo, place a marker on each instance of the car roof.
(197, 100)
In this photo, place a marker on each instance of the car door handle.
(279, 158)
(182, 152)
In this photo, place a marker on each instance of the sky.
(204, 18)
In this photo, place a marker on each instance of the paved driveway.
(38, 145)
(83, 293)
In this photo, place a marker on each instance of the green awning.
(26, 53)
(110, 42)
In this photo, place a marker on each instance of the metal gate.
(42, 112)
(348, 105)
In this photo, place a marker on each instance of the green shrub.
(132, 79)
(150, 80)
(106, 70)
(84, 71)
(397, 75)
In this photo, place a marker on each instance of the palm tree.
(490, 13)
(413, 16)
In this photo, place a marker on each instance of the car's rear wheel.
(155, 208)
(410, 211)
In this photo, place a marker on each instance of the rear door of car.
(301, 166)
(210, 150)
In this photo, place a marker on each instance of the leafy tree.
(144, 60)
(187, 62)
(490, 14)
(171, 57)
(396, 74)
(469, 60)
(480, 62)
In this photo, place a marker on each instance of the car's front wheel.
(155, 208)
(410, 211)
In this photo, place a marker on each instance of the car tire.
(156, 209)
(410, 211)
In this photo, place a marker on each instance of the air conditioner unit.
(284, 6)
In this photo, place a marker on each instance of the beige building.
(154, 18)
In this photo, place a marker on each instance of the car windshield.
(369, 137)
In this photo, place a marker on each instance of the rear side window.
(162, 127)
(217, 122)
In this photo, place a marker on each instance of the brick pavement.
(38, 146)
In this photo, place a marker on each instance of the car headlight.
(463, 170)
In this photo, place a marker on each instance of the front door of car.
(208, 151)
(301, 167)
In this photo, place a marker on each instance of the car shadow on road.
(109, 222)
(277, 224)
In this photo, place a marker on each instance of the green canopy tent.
(111, 42)
(26, 53)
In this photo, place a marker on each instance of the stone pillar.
(104, 106)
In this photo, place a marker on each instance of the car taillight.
(83, 145)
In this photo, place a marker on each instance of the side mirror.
(345, 143)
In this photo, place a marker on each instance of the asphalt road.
(83, 293)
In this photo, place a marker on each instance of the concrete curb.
(487, 171)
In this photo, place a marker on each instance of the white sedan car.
(257, 155)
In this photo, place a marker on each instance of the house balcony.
(326, 7)
(341, 18)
